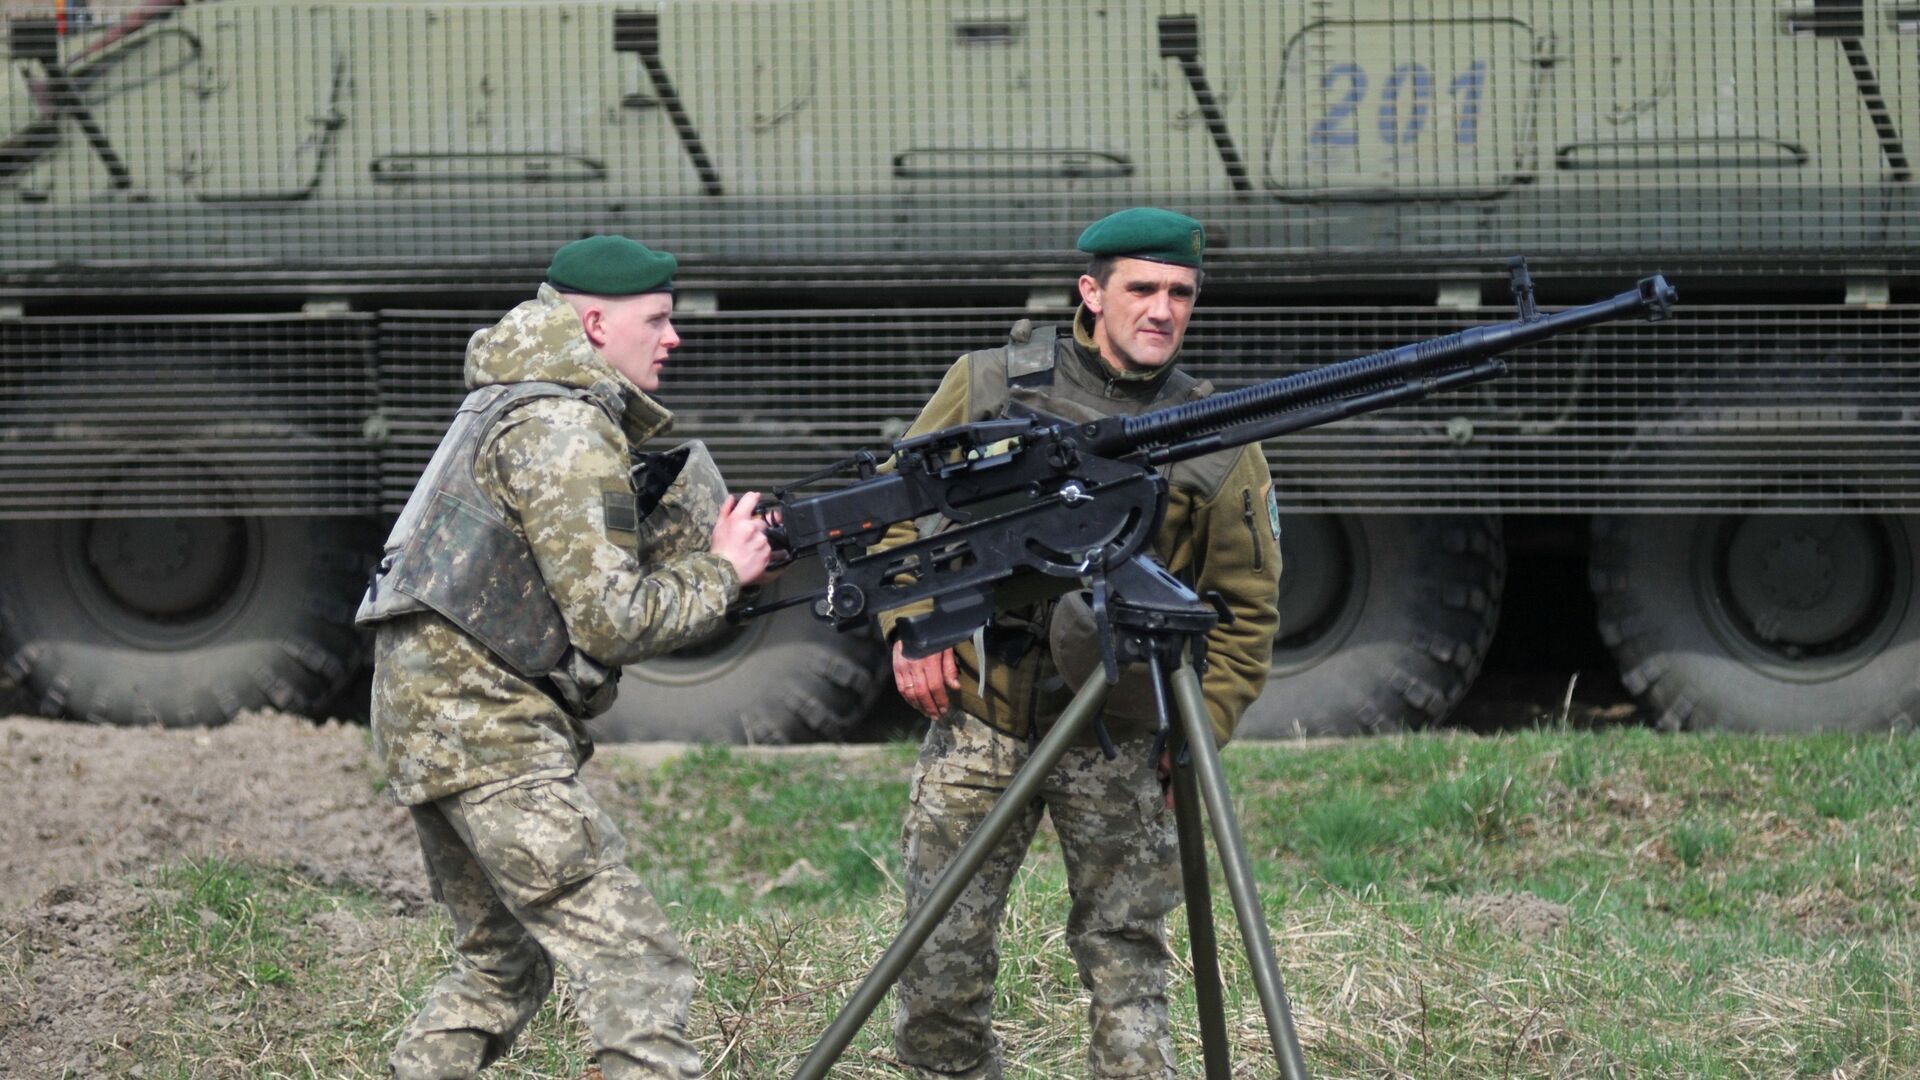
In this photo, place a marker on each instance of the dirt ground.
(79, 802)
(84, 810)
(83, 807)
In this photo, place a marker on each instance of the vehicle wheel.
(179, 621)
(781, 678)
(1384, 621)
(1763, 623)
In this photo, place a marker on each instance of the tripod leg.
(920, 926)
(1192, 709)
(1203, 945)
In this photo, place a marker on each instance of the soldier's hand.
(741, 538)
(926, 683)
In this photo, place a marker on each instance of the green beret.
(1146, 232)
(611, 266)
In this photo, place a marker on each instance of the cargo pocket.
(949, 792)
(537, 837)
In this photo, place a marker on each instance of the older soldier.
(990, 698)
(512, 590)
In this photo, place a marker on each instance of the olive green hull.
(240, 142)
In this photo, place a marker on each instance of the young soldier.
(1115, 827)
(512, 591)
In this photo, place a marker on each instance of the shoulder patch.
(1273, 512)
(622, 511)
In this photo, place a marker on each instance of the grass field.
(1551, 904)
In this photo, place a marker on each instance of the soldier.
(990, 698)
(512, 589)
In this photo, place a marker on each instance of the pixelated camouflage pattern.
(533, 874)
(586, 687)
(680, 495)
(448, 714)
(476, 570)
(1122, 860)
(1207, 539)
(452, 551)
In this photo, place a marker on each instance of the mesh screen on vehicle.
(1695, 413)
(150, 415)
(936, 161)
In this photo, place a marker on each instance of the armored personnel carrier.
(242, 245)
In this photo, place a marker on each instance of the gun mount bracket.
(1520, 280)
(1658, 297)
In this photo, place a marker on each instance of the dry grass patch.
(1564, 905)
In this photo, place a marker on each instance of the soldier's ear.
(1090, 293)
(593, 321)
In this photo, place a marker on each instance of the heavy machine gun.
(1027, 507)
(1031, 506)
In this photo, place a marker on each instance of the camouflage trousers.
(1122, 860)
(533, 873)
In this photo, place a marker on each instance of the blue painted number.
(1340, 125)
(1391, 131)
(1466, 91)
(1328, 131)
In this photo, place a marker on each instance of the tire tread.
(1687, 680)
(1428, 644)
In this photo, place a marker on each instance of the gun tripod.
(1158, 622)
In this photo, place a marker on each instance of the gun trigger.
(948, 510)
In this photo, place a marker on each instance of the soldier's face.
(635, 334)
(1141, 312)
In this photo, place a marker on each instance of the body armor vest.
(1025, 370)
(453, 553)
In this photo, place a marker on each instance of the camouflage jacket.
(448, 714)
(1219, 534)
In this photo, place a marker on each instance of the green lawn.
(1551, 904)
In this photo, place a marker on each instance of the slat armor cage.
(242, 243)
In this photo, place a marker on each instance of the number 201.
(1340, 126)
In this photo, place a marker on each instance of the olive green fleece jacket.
(1220, 540)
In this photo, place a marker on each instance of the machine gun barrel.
(1031, 495)
(1361, 385)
